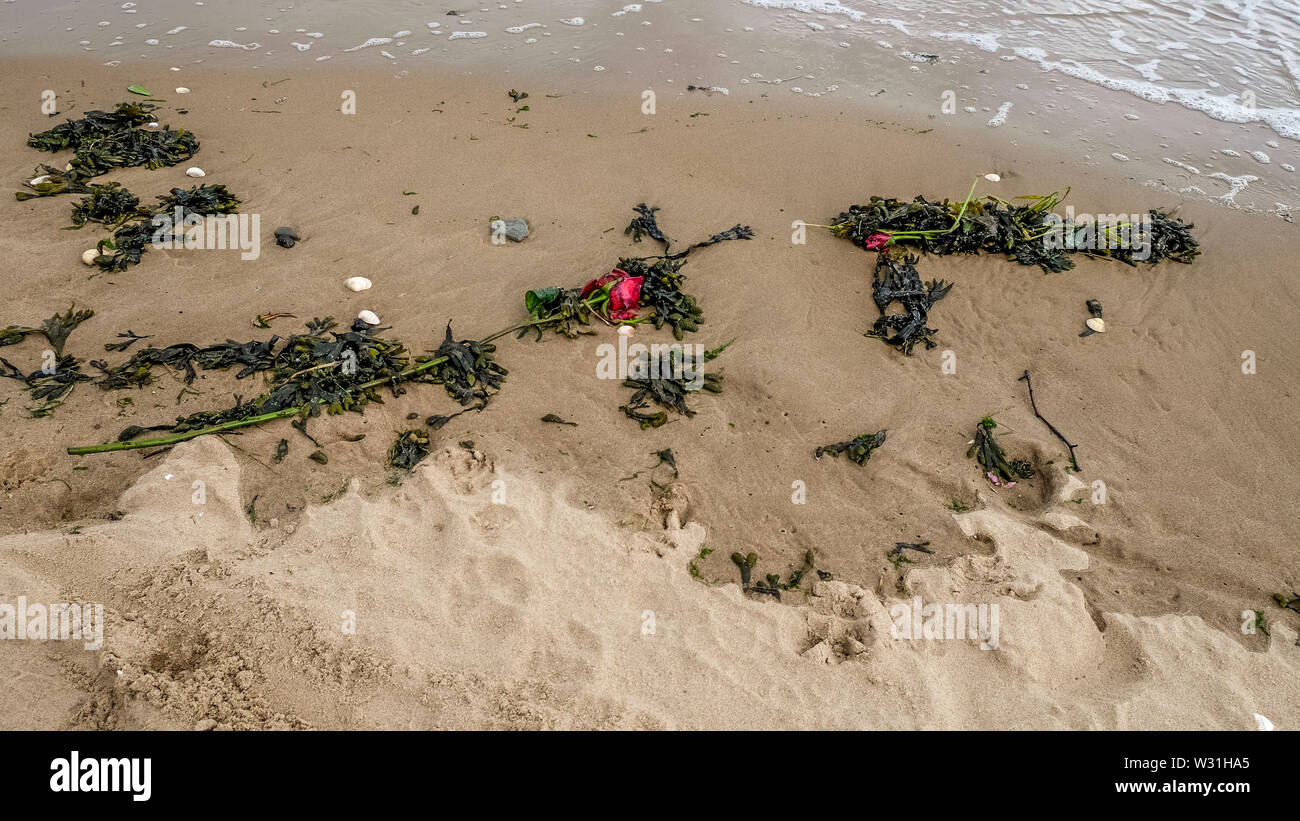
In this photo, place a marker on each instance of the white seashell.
(993, 177)
(1262, 723)
(1097, 324)
(626, 330)
(357, 283)
(88, 256)
(195, 171)
(41, 179)
(182, 90)
(153, 125)
(368, 317)
(67, 167)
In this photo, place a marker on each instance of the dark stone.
(285, 237)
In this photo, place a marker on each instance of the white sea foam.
(1235, 185)
(1191, 169)
(817, 6)
(1117, 42)
(984, 42)
(1000, 118)
(467, 35)
(373, 41)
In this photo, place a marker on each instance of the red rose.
(602, 281)
(625, 297)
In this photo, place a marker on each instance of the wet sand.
(531, 613)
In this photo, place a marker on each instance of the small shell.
(195, 171)
(153, 125)
(993, 177)
(357, 283)
(182, 90)
(626, 330)
(368, 317)
(67, 167)
(88, 255)
(41, 179)
(1097, 324)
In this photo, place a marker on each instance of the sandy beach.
(539, 576)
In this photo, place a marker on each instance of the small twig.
(1050, 426)
(899, 547)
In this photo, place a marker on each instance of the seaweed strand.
(1050, 426)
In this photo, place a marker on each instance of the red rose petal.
(602, 281)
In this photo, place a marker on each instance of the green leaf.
(139, 90)
(540, 298)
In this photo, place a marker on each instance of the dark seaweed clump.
(564, 311)
(661, 291)
(667, 387)
(560, 309)
(104, 140)
(108, 204)
(993, 458)
(771, 584)
(410, 447)
(470, 370)
(132, 239)
(1171, 239)
(897, 280)
(858, 449)
(50, 386)
(968, 227)
(56, 329)
(323, 369)
(1030, 234)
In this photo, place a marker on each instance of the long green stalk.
(181, 437)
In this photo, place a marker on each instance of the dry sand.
(535, 612)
